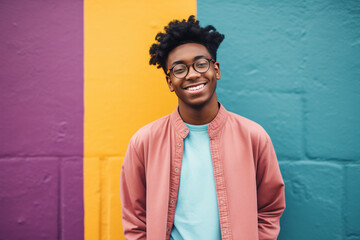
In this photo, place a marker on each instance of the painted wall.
(75, 84)
(294, 67)
(41, 120)
(122, 93)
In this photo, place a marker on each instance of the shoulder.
(247, 127)
(150, 131)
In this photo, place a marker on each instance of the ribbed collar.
(214, 127)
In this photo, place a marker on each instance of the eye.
(179, 68)
(201, 64)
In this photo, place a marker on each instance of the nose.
(192, 73)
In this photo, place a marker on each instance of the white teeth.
(196, 87)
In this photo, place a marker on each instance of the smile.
(195, 88)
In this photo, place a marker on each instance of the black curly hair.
(181, 32)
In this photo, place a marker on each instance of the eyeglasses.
(181, 70)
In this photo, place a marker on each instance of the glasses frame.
(187, 67)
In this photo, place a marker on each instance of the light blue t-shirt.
(197, 212)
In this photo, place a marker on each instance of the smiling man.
(200, 172)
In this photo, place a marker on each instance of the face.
(196, 89)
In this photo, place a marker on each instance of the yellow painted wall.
(122, 93)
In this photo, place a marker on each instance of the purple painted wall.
(41, 119)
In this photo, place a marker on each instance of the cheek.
(216, 75)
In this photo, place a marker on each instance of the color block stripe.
(41, 119)
(122, 93)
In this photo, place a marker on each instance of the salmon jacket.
(249, 186)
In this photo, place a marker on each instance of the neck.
(199, 115)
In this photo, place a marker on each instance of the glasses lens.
(202, 65)
(180, 70)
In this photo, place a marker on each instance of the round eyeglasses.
(181, 70)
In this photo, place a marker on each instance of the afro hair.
(181, 32)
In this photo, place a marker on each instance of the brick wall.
(294, 67)
(41, 120)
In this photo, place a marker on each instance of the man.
(201, 172)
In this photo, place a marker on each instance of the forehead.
(187, 52)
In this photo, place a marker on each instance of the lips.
(195, 87)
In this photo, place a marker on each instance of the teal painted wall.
(294, 67)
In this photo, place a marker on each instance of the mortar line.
(343, 162)
(304, 128)
(60, 199)
(38, 156)
(344, 201)
(100, 198)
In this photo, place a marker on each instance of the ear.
(168, 80)
(217, 70)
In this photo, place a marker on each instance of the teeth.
(196, 87)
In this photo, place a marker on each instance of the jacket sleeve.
(270, 190)
(133, 195)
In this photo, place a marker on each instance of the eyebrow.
(195, 58)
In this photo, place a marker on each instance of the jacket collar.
(214, 127)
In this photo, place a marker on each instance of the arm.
(270, 190)
(133, 195)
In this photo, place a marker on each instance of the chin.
(197, 104)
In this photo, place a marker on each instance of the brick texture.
(29, 198)
(294, 67)
(41, 120)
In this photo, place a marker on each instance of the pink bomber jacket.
(249, 186)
